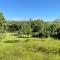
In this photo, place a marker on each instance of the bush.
(40, 35)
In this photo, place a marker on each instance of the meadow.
(14, 48)
(29, 39)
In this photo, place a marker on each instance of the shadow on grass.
(11, 41)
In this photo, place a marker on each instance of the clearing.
(14, 48)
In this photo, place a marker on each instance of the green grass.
(29, 48)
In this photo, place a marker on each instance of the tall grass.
(29, 48)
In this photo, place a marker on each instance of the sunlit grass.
(29, 48)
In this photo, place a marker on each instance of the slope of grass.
(29, 48)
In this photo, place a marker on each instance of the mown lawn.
(14, 48)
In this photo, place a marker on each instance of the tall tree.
(2, 24)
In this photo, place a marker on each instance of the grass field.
(14, 48)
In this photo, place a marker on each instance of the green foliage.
(13, 27)
(37, 25)
(2, 25)
(35, 28)
(19, 44)
(39, 29)
(2, 19)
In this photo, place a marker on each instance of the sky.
(24, 9)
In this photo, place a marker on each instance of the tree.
(2, 24)
(13, 27)
(58, 32)
(38, 28)
(26, 28)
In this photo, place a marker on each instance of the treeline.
(35, 28)
(32, 28)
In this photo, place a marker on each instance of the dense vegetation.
(35, 28)
(32, 28)
(29, 40)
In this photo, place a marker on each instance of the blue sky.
(16, 9)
